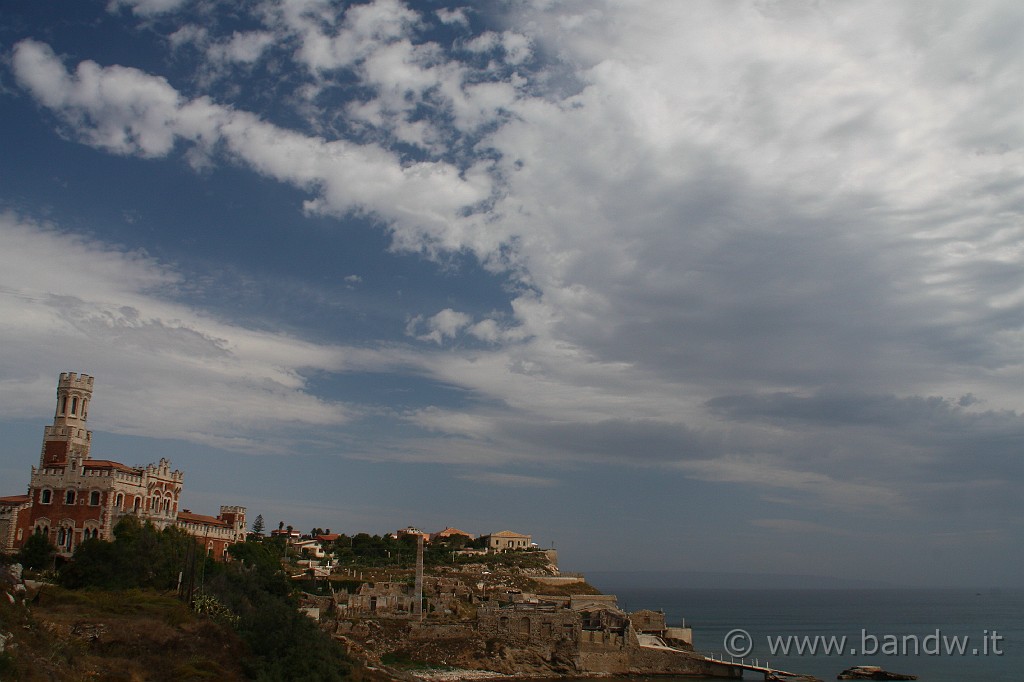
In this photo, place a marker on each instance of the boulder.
(871, 672)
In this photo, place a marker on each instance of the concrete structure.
(73, 497)
(506, 540)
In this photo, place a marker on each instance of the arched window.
(85, 401)
(138, 503)
(66, 538)
(64, 405)
(94, 498)
(45, 496)
(74, 405)
(119, 501)
(69, 497)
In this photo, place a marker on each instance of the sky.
(713, 286)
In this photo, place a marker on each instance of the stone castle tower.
(73, 497)
(68, 435)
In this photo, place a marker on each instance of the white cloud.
(452, 16)
(128, 112)
(146, 8)
(163, 369)
(702, 199)
(243, 48)
(444, 325)
(510, 480)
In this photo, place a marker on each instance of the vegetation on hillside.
(250, 598)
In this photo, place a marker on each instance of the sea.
(948, 635)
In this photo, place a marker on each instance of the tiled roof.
(15, 499)
(108, 464)
(189, 517)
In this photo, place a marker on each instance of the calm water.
(900, 619)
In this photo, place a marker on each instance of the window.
(74, 405)
(45, 496)
(94, 498)
(69, 497)
(119, 501)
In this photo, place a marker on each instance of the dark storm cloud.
(952, 439)
(619, 441)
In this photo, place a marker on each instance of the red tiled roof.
(328, 537)
(508, 534)
(451, 531)
(15, 499)
(189, 517)
(108, 464)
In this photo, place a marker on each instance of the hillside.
(129, 635)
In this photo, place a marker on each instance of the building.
(73, 497)
(410, 531)
(506, 540)
(215, 533)
(449, 534)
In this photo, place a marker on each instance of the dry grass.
(130, 636)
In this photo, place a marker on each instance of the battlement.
(231, 509)
(82, 382)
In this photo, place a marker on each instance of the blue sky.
(707, 286)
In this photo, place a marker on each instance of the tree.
(280, 525)
(141, 555)
(257, 525)
(38, 552)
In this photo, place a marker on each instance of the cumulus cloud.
(126, 111)
(444, 325)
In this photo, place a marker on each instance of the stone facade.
(11, 509)
(506, 540)
(529, 636)
(73, 497)
(215, 533)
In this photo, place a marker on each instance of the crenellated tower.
(68, 435)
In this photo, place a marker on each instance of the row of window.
(65, 535)
(70, 496)
(74, 406)
(157, 504)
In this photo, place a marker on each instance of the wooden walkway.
(769, 673)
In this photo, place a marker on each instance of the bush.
(141, 556)
(37, 553)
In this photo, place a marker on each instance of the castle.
(73, 497)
